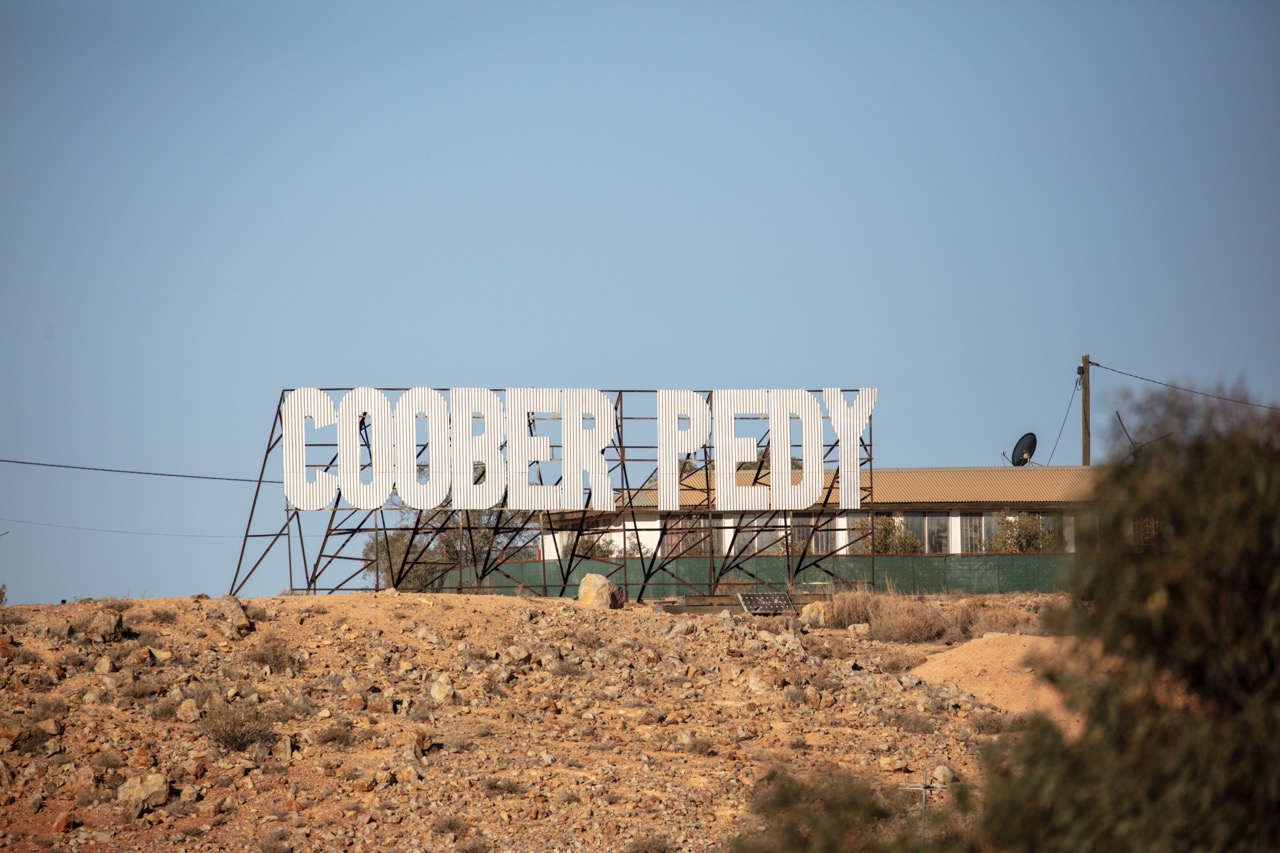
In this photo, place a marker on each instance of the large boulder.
(233, 621)
(140, 793)
(814, 615)
(598, 591)
(105, 627)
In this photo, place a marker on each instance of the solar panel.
(766, 603)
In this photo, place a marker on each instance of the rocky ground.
(447, 722)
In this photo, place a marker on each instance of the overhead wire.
(1188, 390)
(126, 532)
(139, 473)
(136, 473)
(1074, 389)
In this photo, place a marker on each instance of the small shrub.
(701, 746)
(257, 613)
(899, 619)
(46, 708)
(164, 616)
(338, 734)
(165, 710)
(497, 786)
(273, 651)
(651, 844)
(277, 842)
(107, 760)
(588, 640)
(1005, 618)
(898, 660)
(997, 724)
(235, 727)
(120, 605)
(30, 741)
(446, 824)
(566, 669)
(850, 608)
(838, 813)
(910, 721)
(297, 706)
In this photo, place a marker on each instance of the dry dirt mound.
(417, 722)
(1000, 671)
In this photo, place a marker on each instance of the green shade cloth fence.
(961, 573)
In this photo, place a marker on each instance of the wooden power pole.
(1083, 372)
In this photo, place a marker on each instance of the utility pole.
(1083, 372)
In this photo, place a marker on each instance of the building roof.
(994, 487)
(916, 488)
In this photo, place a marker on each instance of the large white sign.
(476, 430)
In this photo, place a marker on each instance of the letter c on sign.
(301, 404)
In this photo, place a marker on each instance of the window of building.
(930, 528)
(859, 526)
(977, 531)
(819, 531)
(688, 537)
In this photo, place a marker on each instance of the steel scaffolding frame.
(448, 550)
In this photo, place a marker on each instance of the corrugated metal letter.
(674, 442)
(477, 455)
(731, 451)
(849, 423)
(584, 448)
(301, 404)
(370, 408)
(782, 405)
(428, 404)
(525, 448)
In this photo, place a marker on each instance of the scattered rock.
(442, 690)
(139, 793)
(107, 626)
(599, 592)
(486, 722)
(814, 614)
(235, 623)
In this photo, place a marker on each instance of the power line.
(139, 473)
(1188, 390)
(125, 532)
(1074, 389)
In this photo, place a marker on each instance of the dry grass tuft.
(273, 651)
(338, 734)
(900, 619)
(235, 727)
(163, 616)
(851, 608)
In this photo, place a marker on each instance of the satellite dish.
(1024, 449)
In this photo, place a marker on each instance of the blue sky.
(204, 203)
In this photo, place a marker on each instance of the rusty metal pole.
(1083, 371)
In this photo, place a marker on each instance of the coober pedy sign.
(482, 429)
